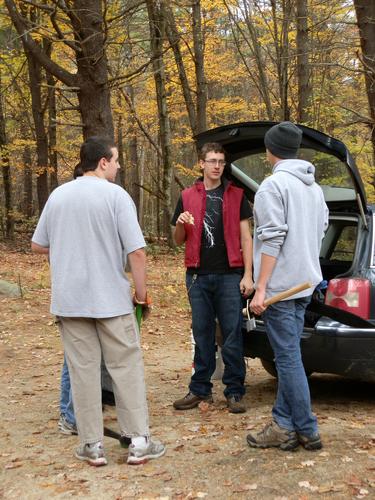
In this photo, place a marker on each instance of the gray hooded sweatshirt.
(290, 217)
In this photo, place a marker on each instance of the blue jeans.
(66, 401)
(284, 325)
(216, 296)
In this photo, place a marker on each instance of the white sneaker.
(153, 449)
(92, 453)
(66, 427)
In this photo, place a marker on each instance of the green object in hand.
(138, 314)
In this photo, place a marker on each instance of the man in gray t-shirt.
(89, 229)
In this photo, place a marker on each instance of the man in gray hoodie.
(290, 218)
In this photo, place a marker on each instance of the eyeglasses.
(213, 162)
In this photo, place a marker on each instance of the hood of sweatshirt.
(301, 169)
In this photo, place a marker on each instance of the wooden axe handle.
(287, 293)
(283, 295)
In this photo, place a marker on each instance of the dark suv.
(347, 256)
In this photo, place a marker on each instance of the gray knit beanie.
(283, 140)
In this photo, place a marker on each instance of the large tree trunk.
(365, 10)
(7, 180)
(303, 68)
(91, 79)
(157, 30)
(93, 93)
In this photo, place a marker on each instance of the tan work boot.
(274, 436)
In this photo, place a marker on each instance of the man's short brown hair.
(209, 147)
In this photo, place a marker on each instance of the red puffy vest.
(194, 200)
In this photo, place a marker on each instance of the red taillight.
(350, 294)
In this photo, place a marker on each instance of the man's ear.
(102, 164)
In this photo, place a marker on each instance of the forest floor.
(207, 455)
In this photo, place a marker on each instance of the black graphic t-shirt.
(214, 258)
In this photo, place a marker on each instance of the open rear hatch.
(336, 171)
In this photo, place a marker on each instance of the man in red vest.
(212, 219)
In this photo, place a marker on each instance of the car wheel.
(270, 368)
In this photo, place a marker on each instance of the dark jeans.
(216, 296)
(284, 325)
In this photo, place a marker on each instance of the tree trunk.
(157, 30)
(365, 10)
(35, 80)
(91, 79)
(141, 170)
(198, 41)
(120, 147)
(174, 41)
(7, 180)
(27, 198)
(263, 85)
(284, 60)
(92, 63)
(52, 132)
(303, 68)
(132, 148)
(281, 43)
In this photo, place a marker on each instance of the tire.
(270, 368)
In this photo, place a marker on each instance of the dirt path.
(207, 455)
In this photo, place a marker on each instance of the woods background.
(152, 74)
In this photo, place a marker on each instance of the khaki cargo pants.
(85, 339)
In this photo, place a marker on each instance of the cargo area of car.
(337, 254)
(339, 245)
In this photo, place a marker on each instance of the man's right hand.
(185, 218)
(257, 304)
(145, 304)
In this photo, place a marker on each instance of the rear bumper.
(330, 347)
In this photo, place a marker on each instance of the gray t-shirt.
(90, 225)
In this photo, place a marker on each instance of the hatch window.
(330, 172)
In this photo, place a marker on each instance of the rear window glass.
(330, 171)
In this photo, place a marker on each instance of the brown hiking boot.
(235, 404)
(191, 401)
(274, 436)
(310, 443)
